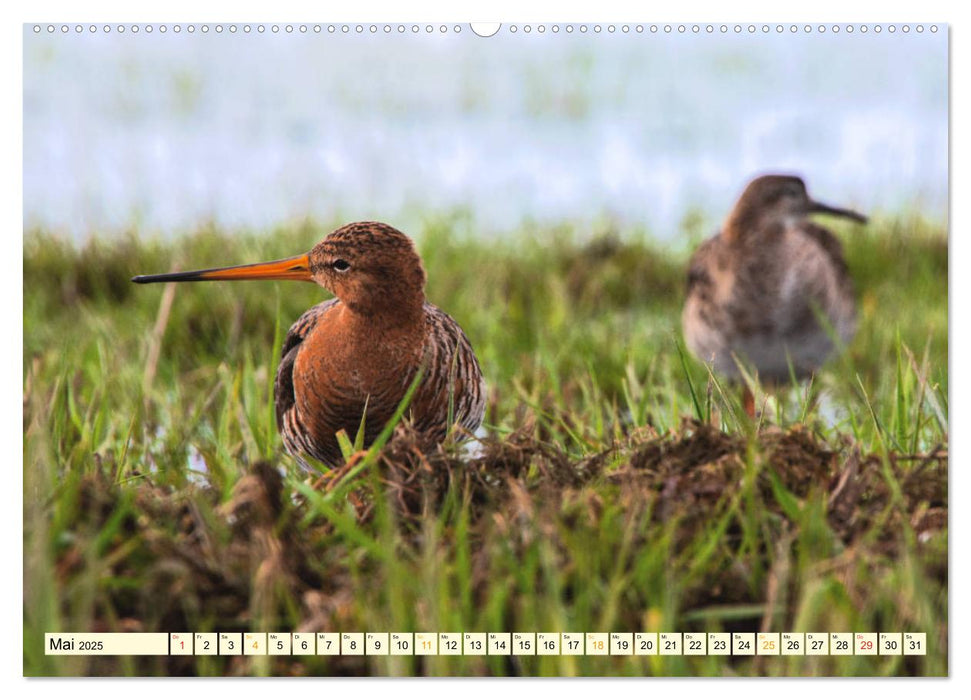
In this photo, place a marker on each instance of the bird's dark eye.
(341, 265)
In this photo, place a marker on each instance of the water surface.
(167, 132)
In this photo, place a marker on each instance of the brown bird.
(357, 355)
(771, 288)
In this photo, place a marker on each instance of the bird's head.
(779, 199)
(369, 265)
(373, 268)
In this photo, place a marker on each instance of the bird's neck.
(753, 225)
(399, 316)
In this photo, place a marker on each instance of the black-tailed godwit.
(356, 355)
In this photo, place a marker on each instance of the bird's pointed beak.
(820, 208)
(295, 268)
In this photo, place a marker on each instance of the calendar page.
(621, 349)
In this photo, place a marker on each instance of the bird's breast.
(340, 373)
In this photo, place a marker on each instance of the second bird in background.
(771, 289)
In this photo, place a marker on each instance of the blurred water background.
(163, 133)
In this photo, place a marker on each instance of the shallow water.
(165, 132)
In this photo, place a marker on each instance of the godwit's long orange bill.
(295, 268)
(820, 208)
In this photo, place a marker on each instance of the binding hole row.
(457, 29)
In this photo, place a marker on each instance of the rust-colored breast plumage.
(329, 380)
